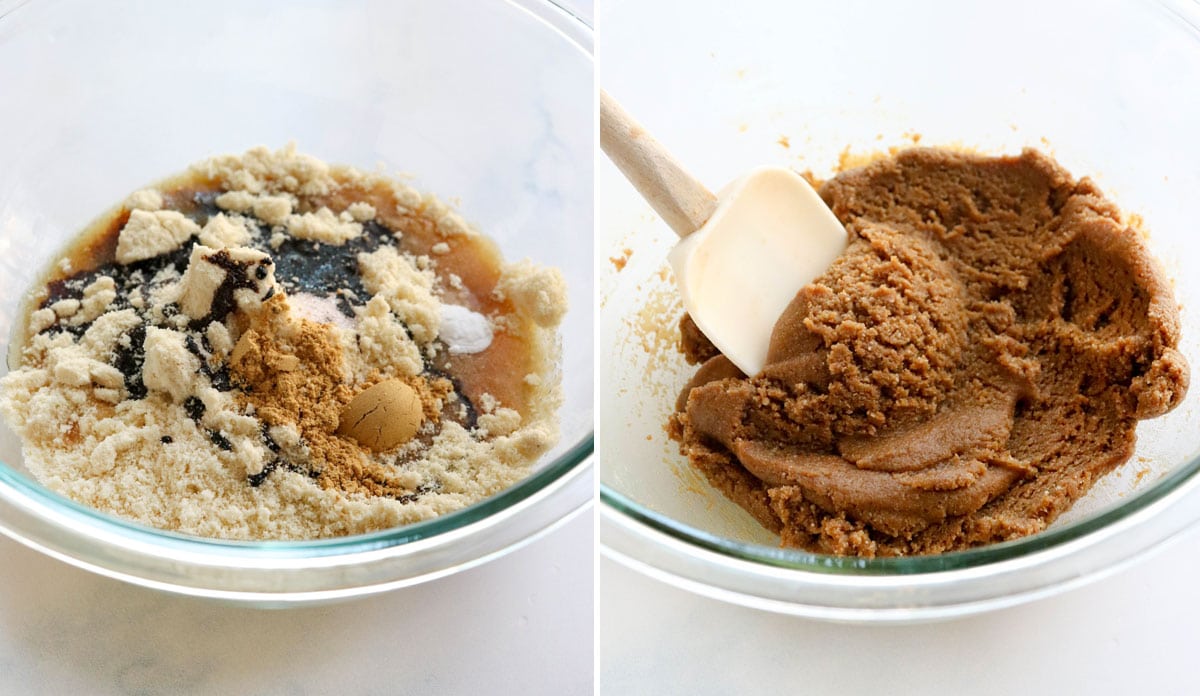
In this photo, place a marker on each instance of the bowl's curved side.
(838, 594)
(282, 574)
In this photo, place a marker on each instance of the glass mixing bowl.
(487, 103)
(1110, 92)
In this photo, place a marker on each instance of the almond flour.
(186, 365)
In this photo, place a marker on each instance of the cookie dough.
(270, 347)
(972, 364)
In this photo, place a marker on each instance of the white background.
(1136, 632)
(521, 624)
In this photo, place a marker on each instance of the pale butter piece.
(169, 368)
(203, 278)
(221, 231)
(152, 233)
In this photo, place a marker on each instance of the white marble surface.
(521, 624)
(1132, 633)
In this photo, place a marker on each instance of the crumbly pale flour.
(197, 374)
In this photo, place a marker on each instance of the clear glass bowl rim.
(17, 486)
(793, 559)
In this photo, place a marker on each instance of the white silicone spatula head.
(744, 254)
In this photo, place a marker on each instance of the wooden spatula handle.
(678, 198)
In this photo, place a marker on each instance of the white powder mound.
(464, 331)
(323, 310)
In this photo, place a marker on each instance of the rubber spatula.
(744, 253)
